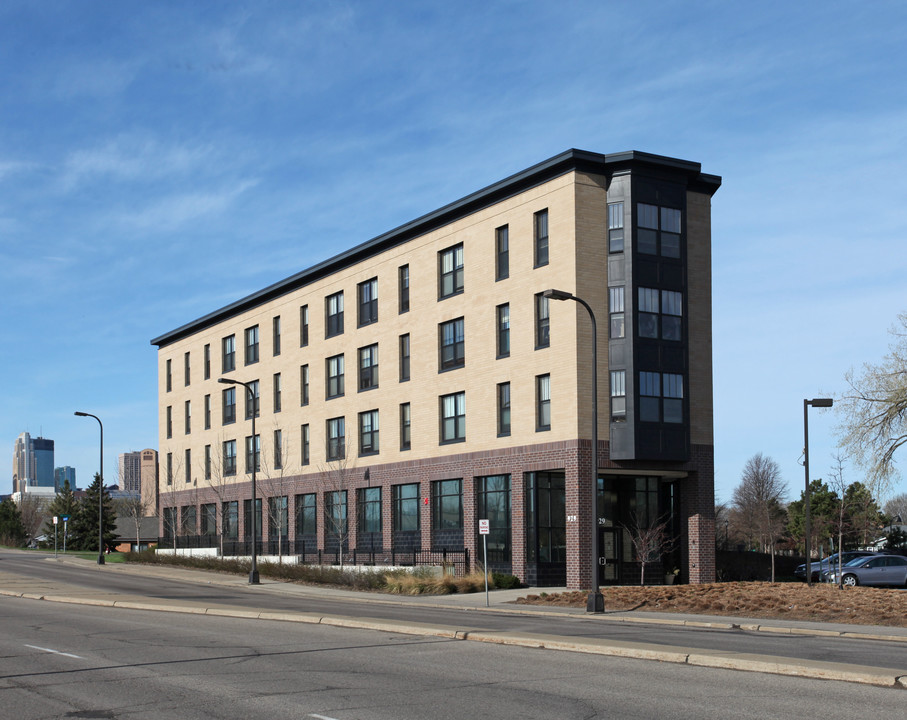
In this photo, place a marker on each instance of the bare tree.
(874, 413)
(272, 477)
(33, 510)
(220, 482)
(337, 480)
(897, 507)
(651, 541)
(758, 501)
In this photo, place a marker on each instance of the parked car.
(820, 569)
(875, 570)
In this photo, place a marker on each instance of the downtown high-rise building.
(33, 463)
(65, 474)
(130, 472)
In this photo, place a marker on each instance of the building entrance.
(608, 556)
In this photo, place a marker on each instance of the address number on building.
(571, 518)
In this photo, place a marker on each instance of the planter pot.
(669, 578)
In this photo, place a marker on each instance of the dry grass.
(787, 601)
(426, 583)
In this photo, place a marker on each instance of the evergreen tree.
(824, 504)
(12, 531)
(64, 503)
(84, 522)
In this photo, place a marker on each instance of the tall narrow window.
(616, 311)
(368, 367)
(303, 384)
(277, 393)
(404, 357)
(186, 377)
(543, 402)
(334, 373)
(453, 346)
(251, 345)
(453, 417)
(275, 335)
(648, 312)
(335, 514)
(169, 421)
(230, 457)
(306, 515)
(403, 288)
(541, 238)
(405, 427)
(304, 444)
(493, 504)
(447, 505)
(253, 400)
(368, 302)
(333, 310)
(303, 326)
(336, 445)
(672, 389)
(616, 227)
(502, 253)
(188, 466)
(228, 403)
(450, 271)
(542, 325)
(503, 409)
(169, 374)
(650, 396)
(503, 324)
(618, 395)
(228, 354)
(188, 416)
(405, 504)
(207, 462)
(170, 468)
(671, 314)
(206, 361)
(278, 449)
(253, 453)
(207, 411)
(368, 510)
(368, 432)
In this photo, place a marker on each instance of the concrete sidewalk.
(499, 601)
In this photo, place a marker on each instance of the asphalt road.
(76, 661)
(574, 625)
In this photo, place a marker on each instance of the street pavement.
(498, 601)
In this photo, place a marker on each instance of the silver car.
(873, 570)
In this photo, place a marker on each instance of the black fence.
(308, 553)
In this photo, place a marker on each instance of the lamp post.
(100, 490)
(595, 601)
(253, 573)
(815, 402)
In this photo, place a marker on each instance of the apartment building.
(421, 381)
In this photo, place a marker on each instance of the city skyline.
(209, 152)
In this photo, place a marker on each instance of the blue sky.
(160, 160)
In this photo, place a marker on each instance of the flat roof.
(556, 166)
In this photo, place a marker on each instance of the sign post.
(483, 531)
(55, 537)
(65, 520)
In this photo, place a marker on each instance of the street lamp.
(815, 402)
(595, 602)
(100, 490)
(253, 573)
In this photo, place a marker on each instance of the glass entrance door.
(608, 556)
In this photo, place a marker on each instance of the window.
(170, 468)
(228, 354)
(278, 517)
(405, 427)
(333, 311)
(649, 396)
(453, 418)
(188, 466)
(230, 519)
(368, 432)
(502, 253)
(453, 348)
(451, 271)
(207, 361)
(229, 405)
(543, 402)
(230, 457)
(303, 326)
(541, 238)
(207, 411)
(368, 367)
(278, 449)
(169, 522)
(503, 324)
(546, 537)
(304, 443)
(277, 399)
(169, 421)
(253, 404)
(368, 511)
(503, 409)
(405, 507)
(251, 345)
(207, 462)
(335, 513)
(253, 453)
(187, 416)
(618, 395)
(542, 323)
(189, 520)
(658, 230)
(306, 515)
(209, 519)
(275, 335)
(493, 504)
(334, 376)
(368, 302)
(616, 227)
(660, 314)
(616, 311)
(336, 445)
(660, 397)
(186, 374)
(403, 288)
(303, 384)
(447, 505)
(672, 390)
(404, 357)
(169, 375)
(247, 518)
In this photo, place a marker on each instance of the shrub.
(505, 581)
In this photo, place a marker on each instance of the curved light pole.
(253, 573)
(815, 402)
(100, 490)
(595, 601)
